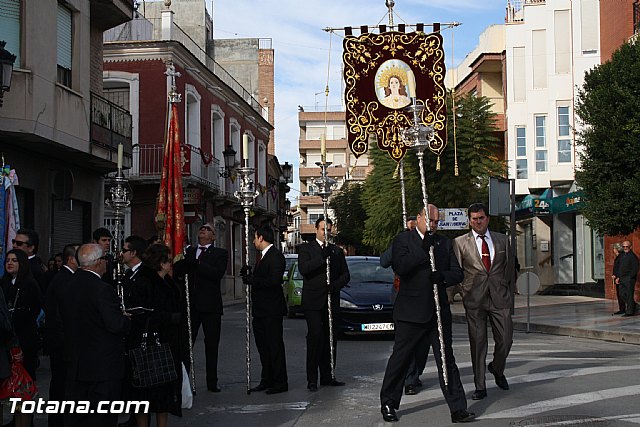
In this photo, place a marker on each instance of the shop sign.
(192, 196)
(568, 203)
(453, 219)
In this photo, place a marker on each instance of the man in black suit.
(53, 328)
(414, 314)
(94, 329)
(205, 266)
(627, 279)
(312, 264)
(27, 240)
(268, 309)
(132, 250)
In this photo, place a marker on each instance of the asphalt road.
(554, 380)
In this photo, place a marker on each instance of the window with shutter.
(64, 45)
(10, 27)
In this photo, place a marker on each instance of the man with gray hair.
(94, 327)
(627, 278)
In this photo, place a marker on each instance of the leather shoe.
(479, 394)
(388, 413)
(214, 389)
(276, 390)
(618, 312)
(312, 386)
(462, 416)
(628, 315)
(501, 380)
(259, 387)
(410, 390)
(333, 383)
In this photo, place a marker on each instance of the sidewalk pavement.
(574, 316)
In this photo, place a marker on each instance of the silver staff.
(325, 183)
(246, 195)
(192, 371)
(119, 200)
(418, 137)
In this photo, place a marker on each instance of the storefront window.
(597, 256)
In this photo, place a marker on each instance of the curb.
(621, 337)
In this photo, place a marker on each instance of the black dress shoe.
(628, 315)
(462, 416)
(501, 380)
(618, 312)
(312, 386)
(479, 394)
(388, 413)
(333, 383)
(260, 387)
(410, 390)
(278, 389)
(214, 389)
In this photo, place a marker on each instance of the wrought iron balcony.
(110, 124)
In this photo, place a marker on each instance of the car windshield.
(289, 262)
(369, 271)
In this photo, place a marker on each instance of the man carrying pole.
(313, 257)
(414, 314)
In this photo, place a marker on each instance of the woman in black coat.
(159, 293)
(22, 294)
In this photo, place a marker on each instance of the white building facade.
(549, 47)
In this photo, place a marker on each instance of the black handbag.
(152, 362)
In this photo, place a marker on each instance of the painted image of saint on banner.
(392, 84)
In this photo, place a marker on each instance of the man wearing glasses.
(487, 294)
(627, 279)
(205, 266)
(27, 241)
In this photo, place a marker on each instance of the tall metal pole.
(246, 194)
(119, 200)
(325, 183)
(418, 137)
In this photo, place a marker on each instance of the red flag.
(170, 210)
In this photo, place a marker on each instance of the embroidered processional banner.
(382, 72)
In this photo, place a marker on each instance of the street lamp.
(287, 172)
(6, 69)
(229, 155)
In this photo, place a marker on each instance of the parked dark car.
(365, 305)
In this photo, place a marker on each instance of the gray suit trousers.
(502, 330)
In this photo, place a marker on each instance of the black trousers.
(93, 392)
(620, 294)
(418, 362)
(628, 291)
(408, 336)
(211, 327)
(318, 348)
(267, 332)
(57, 383)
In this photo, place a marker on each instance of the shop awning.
(534, 204)
(569, 202)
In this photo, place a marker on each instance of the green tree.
(609, 106)
(349, 213)
(477, 152)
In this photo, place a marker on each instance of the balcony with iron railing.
(150, 29)
(110, 124)
(197, 168)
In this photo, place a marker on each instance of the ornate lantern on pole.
(6, 69)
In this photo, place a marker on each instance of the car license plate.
(378, 327)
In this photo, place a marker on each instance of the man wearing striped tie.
(487, 294)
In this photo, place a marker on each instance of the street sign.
(528, 283)
(453, 219)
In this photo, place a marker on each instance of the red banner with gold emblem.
(170, 209)
(382, 73)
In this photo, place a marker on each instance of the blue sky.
(305, 55)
